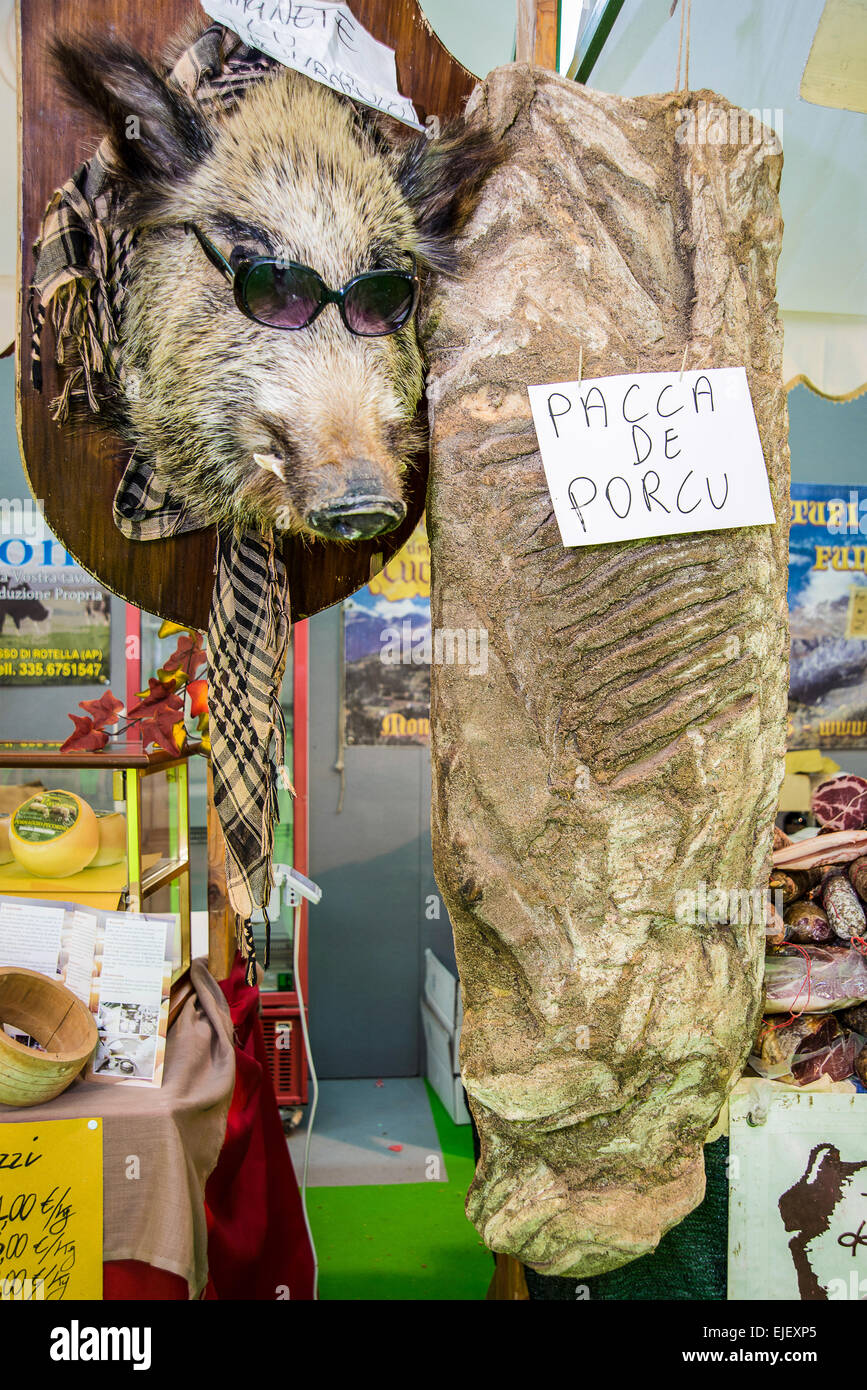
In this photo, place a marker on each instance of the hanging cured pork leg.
(622, 743)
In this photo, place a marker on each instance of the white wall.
(480, 33)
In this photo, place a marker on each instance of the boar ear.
(157, 133)
(441, 180)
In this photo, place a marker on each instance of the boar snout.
(361, 512)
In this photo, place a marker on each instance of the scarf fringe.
(78, 334)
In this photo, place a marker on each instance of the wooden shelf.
(161, 873)
(113, 758)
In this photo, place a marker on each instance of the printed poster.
(828, 616)
(797, 1195)
(55, 619)
(387, 650)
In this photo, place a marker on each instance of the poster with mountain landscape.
(828, 616)
(387, 651)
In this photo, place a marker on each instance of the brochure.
(118, 963)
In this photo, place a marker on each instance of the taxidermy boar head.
(304, 429)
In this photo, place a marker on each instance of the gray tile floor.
(356, 1124)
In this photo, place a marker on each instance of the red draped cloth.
(258, 1246)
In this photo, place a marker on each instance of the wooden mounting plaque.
(75, 473)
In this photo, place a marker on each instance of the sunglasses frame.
(238, 276)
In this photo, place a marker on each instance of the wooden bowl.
(60, 1023)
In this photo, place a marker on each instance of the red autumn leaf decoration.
(161, 728)
(157, 694)
(198, 693)
(158, 716)
(85, 738)
(102, 711)
(187, 656)
(172, 680)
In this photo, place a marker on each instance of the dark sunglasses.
(281, 294)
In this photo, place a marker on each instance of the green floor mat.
(406, 1241)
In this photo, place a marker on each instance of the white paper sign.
(30, 935)
(134, 983)
(797, 1195)
(82, 949)
(326, 42)
(651, 454)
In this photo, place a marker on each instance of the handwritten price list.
(51, 1210)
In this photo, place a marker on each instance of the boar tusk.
(271, 463)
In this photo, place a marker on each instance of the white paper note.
(326, 42)
(30, 935)
(82, 948)
(134, 986)
(651, 454)
(132, 963)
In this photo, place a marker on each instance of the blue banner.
(828, 616)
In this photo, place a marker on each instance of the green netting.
(689, 1264)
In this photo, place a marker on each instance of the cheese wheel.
(5, 852)
(54, 834)
(112, 839)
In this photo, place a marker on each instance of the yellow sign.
(408, 574)
(856, 617)
(51, 1210)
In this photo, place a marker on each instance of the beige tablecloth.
(175, 1131)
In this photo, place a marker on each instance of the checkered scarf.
(80, 280)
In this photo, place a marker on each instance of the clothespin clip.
(580, 364)
(683, 362)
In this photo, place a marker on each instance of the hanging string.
(686, 54)
(806, 984)
(679, 44)
(685, 17)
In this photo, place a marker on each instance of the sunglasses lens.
(379, 304)
(282, 296)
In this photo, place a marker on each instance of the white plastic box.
(443, 993)
(438, 1066)
(442, 1016)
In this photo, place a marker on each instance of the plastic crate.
(284, 1050)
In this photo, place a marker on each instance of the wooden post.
(536, 39)
(221, 927)
(509, 1284)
